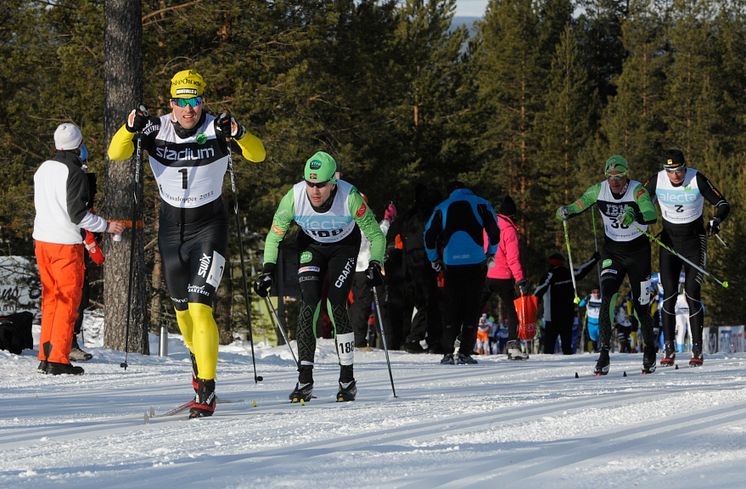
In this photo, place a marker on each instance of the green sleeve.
(645, 204)
(586, 201)
(280, 224)
(367, 223)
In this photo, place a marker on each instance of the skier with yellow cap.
(188, 151)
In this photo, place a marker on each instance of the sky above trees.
(470, 8)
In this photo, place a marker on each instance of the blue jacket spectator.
(454, 243)
(457, 227)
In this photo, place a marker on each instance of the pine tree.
(565, 126)
(632, 124)
(31, 90)
(431, 75)
(600, 21)
(510, 92)
(692, 102)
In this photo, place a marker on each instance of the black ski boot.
(347, 391)
(43, 365)
(447, 359)
(302, 392)
(415, 346)
(204, 402)
(602, 365)
(648, 359)
(195, 374)
(77, 354)
(697, 359)
(54, 368)
(669, 355)
(464, 359)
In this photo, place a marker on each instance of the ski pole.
(133, 215)
(273, 313)
(725, 245)
(724, 283)
(383, 337)
(576, 300)
(257, 378)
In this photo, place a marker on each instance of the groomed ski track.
(497, 424)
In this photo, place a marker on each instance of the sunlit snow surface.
(498, 424)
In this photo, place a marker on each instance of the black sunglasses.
(317, 184)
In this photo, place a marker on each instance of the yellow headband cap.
(187, 84)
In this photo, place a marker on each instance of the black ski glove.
(373, 274)
(713, 226)
(523, 286)
(137, 119)
(227, 126)
(263, 282)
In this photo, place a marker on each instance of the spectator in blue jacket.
(454, 243)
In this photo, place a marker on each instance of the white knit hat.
(67, 136)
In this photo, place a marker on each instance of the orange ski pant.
(61, 270)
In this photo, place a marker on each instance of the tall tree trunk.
(123, 91)
(156, 279)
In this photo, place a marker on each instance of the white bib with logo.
(325, 227)
(682, 204)
(189, 172)
(614, 210)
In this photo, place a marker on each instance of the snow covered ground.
(498, 424)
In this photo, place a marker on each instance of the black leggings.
(463, 293)
(359, 311)
(315, 261)
(561, 327)
(193, 256)
(422, 292)
(693, 248)
(617, 264)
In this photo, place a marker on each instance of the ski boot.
(54, 368)
(347, 391)
(302, 392)
(77, 354)
(447, 359)
(464, 359)
(697, 359)
(602, 365)
(195, 386)
(669, 357)
(43, 365)
(648, 360)
(514, 351)
(204, 401)
(415, 346)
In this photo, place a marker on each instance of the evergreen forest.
(529, 100)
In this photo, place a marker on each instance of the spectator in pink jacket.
(505, 274)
